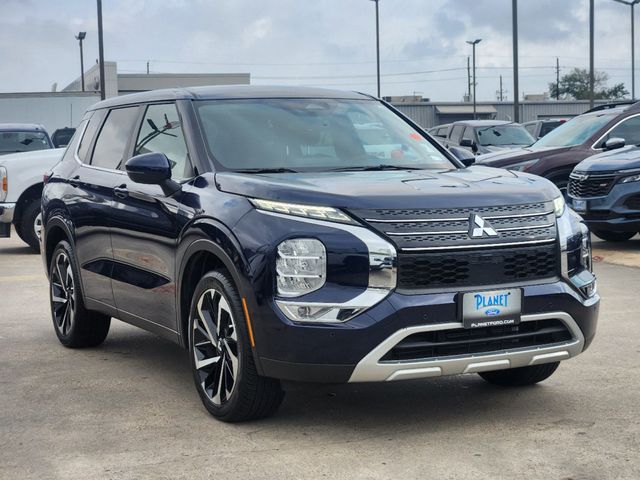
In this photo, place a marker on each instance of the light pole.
(473, 44)
(514, 34)
(80, 37)
(632, 4)
(101, 51)
(592, 72)
(377, 45)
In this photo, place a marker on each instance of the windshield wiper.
(371, 168)
(266, 170)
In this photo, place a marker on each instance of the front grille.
(583, 185)
(449, 228)
(418, 271)
(460, 341)
(633, 202)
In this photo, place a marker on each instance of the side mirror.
(614, 143)
(152, 169)
(463, 155)
(465, 142)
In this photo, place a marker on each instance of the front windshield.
(22, 141)
(500, 135)
(575, 131)
(306, 134)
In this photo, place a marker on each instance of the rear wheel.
(221, 357)
(520, 377)
(613, 236)
(31, 225)
(74, 325)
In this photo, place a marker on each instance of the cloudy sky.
(316, 42)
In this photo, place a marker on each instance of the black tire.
(75, 326)
(25, 229)
(250, 396)
(520, 377)
(613, 236)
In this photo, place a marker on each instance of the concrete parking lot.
(128, 409)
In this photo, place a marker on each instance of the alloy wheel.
(63, 300)
(215, 346)
(37, 225)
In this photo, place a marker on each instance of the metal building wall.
(425, 113)
(52, 109)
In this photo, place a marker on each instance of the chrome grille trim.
(474, 246)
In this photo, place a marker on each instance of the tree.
(575, 86)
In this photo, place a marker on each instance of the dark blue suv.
(605, 190)
(312, 235)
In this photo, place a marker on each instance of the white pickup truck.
(21, 181)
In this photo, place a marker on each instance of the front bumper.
(612, 212)
(352, 352)
(7, 211)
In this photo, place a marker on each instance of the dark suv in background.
(554, 156)
(308, 234)
(605, 190)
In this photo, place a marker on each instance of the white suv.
(21, 180)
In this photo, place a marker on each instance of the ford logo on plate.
(492, 312)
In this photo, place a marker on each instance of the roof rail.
(633, 104)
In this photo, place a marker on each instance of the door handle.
(121, 191)
(75, 181)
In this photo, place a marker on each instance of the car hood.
(24, 160)
(511, 156)
(627, 158)
(469, 187)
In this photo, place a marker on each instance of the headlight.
(4, 184)
(559, 205)
(522, 166)
(320, 213)
(631, 178)
(301, 266)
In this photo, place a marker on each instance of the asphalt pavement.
(129, 410)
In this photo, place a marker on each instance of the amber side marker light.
(249, 328)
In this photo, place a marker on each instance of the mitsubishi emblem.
(479, 227)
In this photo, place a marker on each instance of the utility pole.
(632, 4)
(557, 78)
(501, 91)
(377, 45)
(147, 67)
(80, 37)
(473, 44)
(516, 87)
(101, 51)
(592, 76)
(469, 78)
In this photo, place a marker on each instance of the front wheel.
(613, 236)
(221, 355)
(520, 377)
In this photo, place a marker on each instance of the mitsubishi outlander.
(305, 234)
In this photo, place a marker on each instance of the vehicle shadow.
(17, 250)
(378, 408)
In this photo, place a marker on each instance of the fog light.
(301, 266)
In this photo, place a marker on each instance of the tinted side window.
(161, 132)
(73, 143)
(89, 134)
(456, 131)
(110, 147)
(531, 128)
(629, 130)
(468, 134)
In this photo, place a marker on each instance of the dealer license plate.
(491, 308)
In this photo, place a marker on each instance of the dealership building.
(59, 109)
